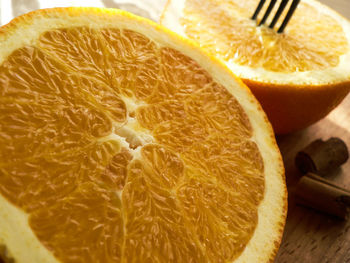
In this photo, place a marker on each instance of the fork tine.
(268, 11)
(258, 8)
(288, 16)
(278, 13)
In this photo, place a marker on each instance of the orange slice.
(123, 142)
(298, 76)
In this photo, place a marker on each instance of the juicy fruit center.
(122, 150)
(225, 28)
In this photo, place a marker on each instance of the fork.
(280, 9)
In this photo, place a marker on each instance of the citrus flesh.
(233, 36)
(309, 61)
(117, 145)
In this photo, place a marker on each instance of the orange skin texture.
(291, 108)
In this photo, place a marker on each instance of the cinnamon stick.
(318, 193)
(321, 157)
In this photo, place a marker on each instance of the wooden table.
(309, 235)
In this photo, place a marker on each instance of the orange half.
(298, 76)
(123, 142)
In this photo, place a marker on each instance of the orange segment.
(183, 71)
(96, 161)
(155, 226)
(208, 106)
(179, 136)
(214, 214)
(42, 180)
(133, 60)
(93, 218)
(151, 115)
(181, 76)
(234, 164)
(29, 84)
(107, 100)
(165, 167)
(78, 48)
(33, 184)
(127, 144)
(115, 173)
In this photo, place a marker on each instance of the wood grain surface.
(311, 236)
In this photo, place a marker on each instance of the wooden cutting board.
(309, 235)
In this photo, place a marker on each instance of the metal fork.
(282, 6)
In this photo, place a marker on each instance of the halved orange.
(123, 142)
(298, 76)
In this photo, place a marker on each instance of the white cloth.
(147, 8)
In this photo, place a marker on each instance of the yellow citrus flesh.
(124, 150)
(312, 41)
